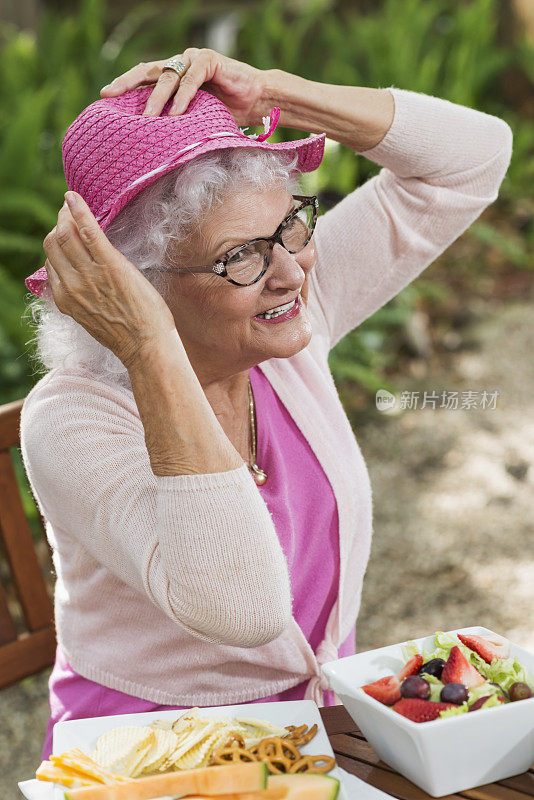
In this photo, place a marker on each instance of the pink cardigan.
(304, 511)
(175, 588)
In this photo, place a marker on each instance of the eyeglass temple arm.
(188, 269)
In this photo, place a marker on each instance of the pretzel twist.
(232, 755)
(278, 753)
(277, 747)
(236, 740)
(300, 736)
(315, 764)
(281, 753)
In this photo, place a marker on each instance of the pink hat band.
(111, 151)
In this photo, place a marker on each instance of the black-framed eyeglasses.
(245, 264)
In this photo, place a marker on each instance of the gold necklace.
(258, 474)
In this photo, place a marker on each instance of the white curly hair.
(169, 210)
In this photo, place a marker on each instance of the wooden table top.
(356, 755)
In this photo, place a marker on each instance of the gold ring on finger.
(176, 65)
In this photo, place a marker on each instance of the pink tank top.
(304, 511)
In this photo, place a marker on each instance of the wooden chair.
(22, 652)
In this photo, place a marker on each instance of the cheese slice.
(66, 777)
(78, 761)
(122, 749)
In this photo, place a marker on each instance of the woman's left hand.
(238, 85)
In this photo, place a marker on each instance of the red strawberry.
(486, 649)
(420, 710)
(386, 690)
(458, 670)
(411, 668)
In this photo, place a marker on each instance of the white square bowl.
(446, 755)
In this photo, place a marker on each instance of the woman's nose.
(285, 270)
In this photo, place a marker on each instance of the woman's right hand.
(240, 86)
(95, 284)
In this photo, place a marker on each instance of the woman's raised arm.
(443, 164)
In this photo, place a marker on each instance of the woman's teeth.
(275, 312)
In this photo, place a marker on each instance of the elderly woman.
(207, 503)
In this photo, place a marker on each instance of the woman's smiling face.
(216, 319)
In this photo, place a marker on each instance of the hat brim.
(310, 153)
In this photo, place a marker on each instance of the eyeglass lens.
(248, 263)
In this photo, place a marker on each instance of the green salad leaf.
(491, 702)
(454, 710)
(435, 687)
(409, 650)
(476, 692)
(507, 671)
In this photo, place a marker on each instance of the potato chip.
(161, 724)
(186, 743)
(165, 742)
(219, 741)
(195, 755)
(262, 726)
(122, 749)
(193, 737)
(139, 759)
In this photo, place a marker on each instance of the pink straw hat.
(111, 151)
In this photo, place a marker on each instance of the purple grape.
(413, 686)
(518, 691)
(433, 667)
(455, 693)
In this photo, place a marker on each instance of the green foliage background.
(439, 47)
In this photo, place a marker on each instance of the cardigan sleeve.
(202, 547)
(442, 164)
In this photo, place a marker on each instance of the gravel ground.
(453, 524)
(453, 495)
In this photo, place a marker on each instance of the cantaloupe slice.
(280, 793)
(286, 787)
(306, 787)
(210, 781)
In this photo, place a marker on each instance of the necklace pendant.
(259, 475)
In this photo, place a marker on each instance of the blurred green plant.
(47, 79)
(439, 47)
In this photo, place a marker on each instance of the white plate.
(83, 733)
